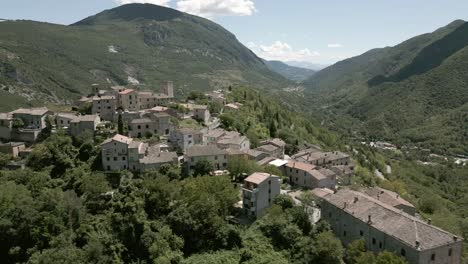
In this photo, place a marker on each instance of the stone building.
(184, 138)
(12, 148)
(124, 153)
(306, 175)
(141, 127)
(354, 215)
(105, 107)
(33, 118)
(259, 191)
(325, 159)
(81, 124)
(216, 156)
(233, 140)
(63, 120)
(201, 112)
(391, 198)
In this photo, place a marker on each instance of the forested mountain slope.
(416, 91)
(136, 44)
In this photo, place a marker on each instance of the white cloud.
(154, 2)
(283, 52)
(214, 8)
(335, 45)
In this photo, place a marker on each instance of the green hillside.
(415, 92)
(292, 73)
(136, 44)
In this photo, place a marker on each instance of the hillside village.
(145, 131)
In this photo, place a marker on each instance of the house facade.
(306, 175)
(81, 124)
(216, 156)
(105, 107)
(184, 138)
(258, 192)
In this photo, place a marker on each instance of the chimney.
(345, 204)
(356, 199)
(369, 220)
(378, 196)
(398, 196)
(429, 221)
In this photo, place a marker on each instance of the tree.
(18, 123)
(285, 201)
(120, 125)
(355, 251)
(202, 167)
(328, 249)
(238, 166)
(4, 160)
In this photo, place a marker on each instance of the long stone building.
(354, 215)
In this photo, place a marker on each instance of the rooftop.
(119, 138)
(267, 148)
(300, 165)
(40, 111)
(188, 131)
(276, 142)
(406, 228)
(386, 196)
(12, 144)
(257, 177)
(84, 118)
(127, 91)
(335, 155)
(155, 156)
(200, 151)
(67, 115)
(216, 133)
(104, 97)
(141, 121)
(254, 153)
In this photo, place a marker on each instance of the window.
(124, 158)
(403, 252)
(344, 233)
(297, 171)
(108, 159)
(373, 241)
(450, 252)
(361, 233)
(61, 121)
(108, 168)
(216, 157)
(115, 158)
(139, 127)
(380, 245)
(433, 256)
(147, 126)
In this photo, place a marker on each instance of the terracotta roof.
(300, 165)
(276, 142)
(126, 91)
(391, 221)
(200, 151)
(216, 133)
(386, 196)
(327, 172)
(257, 177)
(5, 116)
(159, 109)
(105, 97)
(67, 115)
(254, 153)
(119, 138)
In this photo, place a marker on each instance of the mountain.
(415, 92)
(135, 44)
(307, 65)
(296, 74)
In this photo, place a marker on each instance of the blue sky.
(306, 30)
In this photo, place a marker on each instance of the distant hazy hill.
(138, 44)
(307, 65)
(293, 73)
(416, 91)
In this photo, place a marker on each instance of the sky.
(314, 31)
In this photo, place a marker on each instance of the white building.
(259, 191)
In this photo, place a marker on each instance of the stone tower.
(168, 88)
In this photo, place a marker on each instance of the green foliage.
(49, 71)
(202, 167)
(4, 160)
